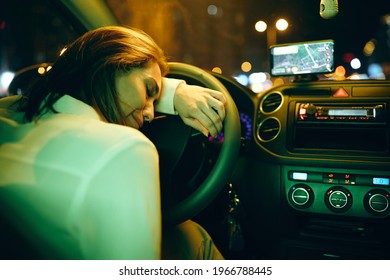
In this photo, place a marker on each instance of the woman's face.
(138, 90)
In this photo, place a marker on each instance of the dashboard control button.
(300, 196)
(377, 202)
(330, 181)
(338, 199)
(347, 181)
(330, 178)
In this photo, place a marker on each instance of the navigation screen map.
(302, 58)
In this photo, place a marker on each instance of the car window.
(30, 35)
(222, 36)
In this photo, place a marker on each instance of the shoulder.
(88, 141)
(91, 129)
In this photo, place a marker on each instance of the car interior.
(302, 168)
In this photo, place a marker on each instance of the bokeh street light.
(280, 25)
(271, 31)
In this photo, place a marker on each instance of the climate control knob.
(377, 202)
(300, 196)
(338, 199)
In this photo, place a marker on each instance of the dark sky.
(356, 23)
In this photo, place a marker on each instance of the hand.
(201, 108)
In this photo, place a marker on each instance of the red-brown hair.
(87, 70)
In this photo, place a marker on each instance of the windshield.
(228, 36)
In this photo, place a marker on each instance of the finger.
(217, 102)
(196, 125)
(210, 120)
(211, 115)
(217, 107)
(218, 95)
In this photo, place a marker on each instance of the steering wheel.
(171, 140)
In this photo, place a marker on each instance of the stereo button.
(312, 109)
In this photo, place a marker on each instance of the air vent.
(268, 130)
(271, 102)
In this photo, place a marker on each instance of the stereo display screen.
(347, 112)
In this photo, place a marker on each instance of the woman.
(78, 180)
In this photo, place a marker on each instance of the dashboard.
(332, 140)
(316, 169)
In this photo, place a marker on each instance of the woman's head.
(89, 69)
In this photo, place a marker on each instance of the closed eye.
(152, 89)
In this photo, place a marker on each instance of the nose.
(148, 111)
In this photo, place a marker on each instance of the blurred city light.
(261, 26)
(375, 71)
(281, 24)
(260, 81)
(369, 48)
(212, 10)
(217, 70)
(246, 66)
(5, 80)
(339, 73)
(355, 63)
(242, 79)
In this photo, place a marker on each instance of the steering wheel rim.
(217, 179)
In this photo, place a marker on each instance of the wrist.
(169, 89)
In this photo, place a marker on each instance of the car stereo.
(314, 57)
(327, 113)
(360, 127)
